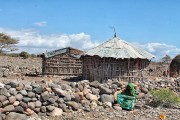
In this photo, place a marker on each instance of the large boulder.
(104, 90)
(94, 84)
(39, 90)
(9, 108)
(107, 98)
(16, 116)
(2, 98)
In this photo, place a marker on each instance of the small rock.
(80, 87)
(29, 112)
(50, 108)
(37, 110)
(31, 105)
(51, 100)
(5, 73)
(73, 105)
(20, 86)
(60, 100)
(91, 97)
(19, 109)
(19, 97)
(114, 86)
(6, 86)
(138, 106)
(12, 91)
(85, 103)
(4, 91)
(28, 87)
(42, 115)
(23, 105)
(23, 92)
(26, 99)
(95, 91)
(65, 87)
(48, 89)
(147, 107)
(2, 85)
(43, 109)
(63, 107)
(13, 84)
(107, 104)
(34, 99)
(117, 107)
(67, 97)
(3, 116)
(76, 98)
(38, 104)
(16, 103)
(140, 95)
(56, 112)
(60, 92)
(144, 90)
(44, 96)
(12, 99)
(86, 91)
(93, 104)
(6, 102)
(31, 94)
(73, 84)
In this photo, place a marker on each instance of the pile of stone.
(52, 99)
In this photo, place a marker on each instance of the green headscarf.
(132, 91)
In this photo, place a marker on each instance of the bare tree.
(7, 43)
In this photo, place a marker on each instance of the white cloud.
(160, 49)
(33, 42)
(40, 24)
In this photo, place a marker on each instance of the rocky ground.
(51, 98)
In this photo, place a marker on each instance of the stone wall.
(52, 99)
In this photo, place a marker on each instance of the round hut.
(175, 67)
(115, 59)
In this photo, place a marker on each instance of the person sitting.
(127, 98)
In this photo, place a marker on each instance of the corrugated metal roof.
(59, 51)
(117, 48)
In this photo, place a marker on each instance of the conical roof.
(117, 48)
(177, 59)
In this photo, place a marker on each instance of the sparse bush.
(13, 55)
(24, 54)
(165, 97)
(33, 55)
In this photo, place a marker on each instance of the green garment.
(128, 98)
(130, 92)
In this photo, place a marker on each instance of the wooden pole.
(129, 69)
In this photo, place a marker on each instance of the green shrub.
(165, 97)
(33, 55)
(24, 54)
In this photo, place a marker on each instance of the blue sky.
(152, 24)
